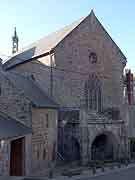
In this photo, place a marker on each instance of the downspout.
(51, 72)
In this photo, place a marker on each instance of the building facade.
(81, 68)
(28, 122)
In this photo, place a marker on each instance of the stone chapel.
(80, 68)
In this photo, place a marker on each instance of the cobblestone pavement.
(128, 174)
(119, 174)
(20, 178)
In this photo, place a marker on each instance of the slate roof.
(41, 47)
(31, 90)
(45, 45)
(10, 127)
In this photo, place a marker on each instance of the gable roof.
(42, 47)
(31, 90)
(10, 127)
(46, 45)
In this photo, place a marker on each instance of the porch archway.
(70, 149)
(103, 147)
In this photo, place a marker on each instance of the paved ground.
(128, 174)
(124, 174)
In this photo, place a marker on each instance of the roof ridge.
(47, 35)
(60, 29)
(104, 29)
(5, 115)
(43, 45)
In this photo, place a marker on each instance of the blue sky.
(36, 18)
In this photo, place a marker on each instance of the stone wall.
(28, 154)
(92, 125)
(44, 138)
(72, 54)
(5, 152)
(14, 103)
(4, 157)
(40, 72)
(72, 69)
(110, 129)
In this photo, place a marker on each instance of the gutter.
(27, 60)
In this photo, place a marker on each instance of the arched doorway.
(70, 149)
(102, 148)
(17, 157)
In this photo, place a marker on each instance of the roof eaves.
(45, 106)
(44, 54)
(124, 57)
(8, 67)
(83, 19)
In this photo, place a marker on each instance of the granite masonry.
(80, 68)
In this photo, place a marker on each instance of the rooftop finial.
(15, 41)
(92, 11)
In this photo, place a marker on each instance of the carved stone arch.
(70, 149)
(104, 145)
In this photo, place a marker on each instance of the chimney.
(129, 86)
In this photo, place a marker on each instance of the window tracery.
(93, 94)
(92, 57)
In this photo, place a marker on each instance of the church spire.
(15, 41)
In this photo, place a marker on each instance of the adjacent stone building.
(129, 93)
(29, 135)
(81, 68)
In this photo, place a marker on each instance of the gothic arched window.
(93, 93)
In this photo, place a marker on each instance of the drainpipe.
(51, 54)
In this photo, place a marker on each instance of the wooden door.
(17, 157)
